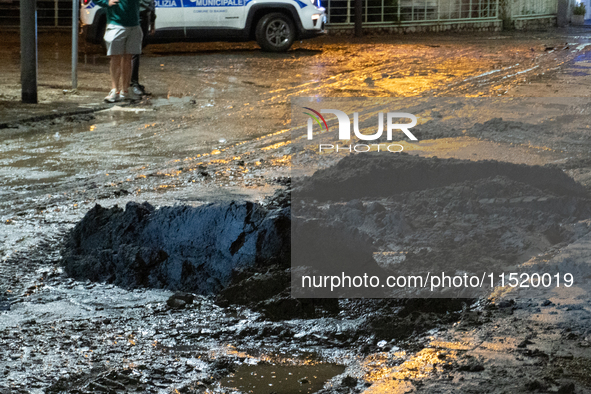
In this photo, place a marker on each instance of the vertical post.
(438, 11)
(28, 20)
(358, 18)
(75, 17)
(348, 12)
(55, 13)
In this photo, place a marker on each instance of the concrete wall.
(535, 24)
(384, 30)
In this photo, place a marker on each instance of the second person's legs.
(135, 70)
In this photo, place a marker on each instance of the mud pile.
(443, 215)
(370, 214)
(376, 174)
(179, 248)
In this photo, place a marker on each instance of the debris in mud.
(180, 299)
(4, 301)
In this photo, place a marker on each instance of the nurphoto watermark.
(428, 197)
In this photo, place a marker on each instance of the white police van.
(274, 24)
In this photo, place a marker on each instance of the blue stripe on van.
(215, 3)
(301, 4)
(209, 3)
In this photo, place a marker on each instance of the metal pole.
(348, 12)
(28, 16)
(358, 18)
(75, 17)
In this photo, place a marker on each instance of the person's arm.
(105, 3)
(152, 17)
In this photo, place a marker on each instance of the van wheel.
(275, 32)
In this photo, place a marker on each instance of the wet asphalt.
(217, 109)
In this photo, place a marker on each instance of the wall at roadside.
(494, 25)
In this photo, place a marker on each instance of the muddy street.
(143, 246)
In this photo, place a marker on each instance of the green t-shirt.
(125, 13)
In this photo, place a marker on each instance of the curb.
(77, 111)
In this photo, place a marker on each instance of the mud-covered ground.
(217, 130)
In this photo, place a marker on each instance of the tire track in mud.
(369, 81)
(499, 82)
(382, 79)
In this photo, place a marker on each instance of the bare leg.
(115, 71)
(125, 71)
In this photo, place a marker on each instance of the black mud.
(379, 175)
(432, 215)
(179, 248)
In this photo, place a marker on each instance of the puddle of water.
(285, 379)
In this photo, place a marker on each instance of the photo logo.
(345, 124)
(315, 117)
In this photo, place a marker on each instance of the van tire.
(275, 32)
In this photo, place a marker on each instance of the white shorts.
(121, 40)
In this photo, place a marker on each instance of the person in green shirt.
(123, 38)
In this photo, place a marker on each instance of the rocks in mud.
(524, 343)
(179, 248)
(346, 385)
(251, 286)
(535, 385)
(4, 301)
(222, 367)
(349, 381)
(269, 292)
(180, 299)
(102, 382)
(472, 367)
(416, 315)
(567, 388)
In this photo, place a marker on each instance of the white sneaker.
(112, 97)
(129, 96)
